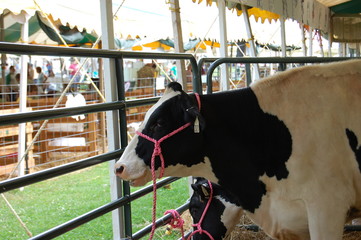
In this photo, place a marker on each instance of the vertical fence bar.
(119, 70)
(248, 74)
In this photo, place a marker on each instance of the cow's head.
(223, 212)
(182, 152)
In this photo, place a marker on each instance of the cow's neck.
(238, 136)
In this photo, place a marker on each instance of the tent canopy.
(79, 21)
(315, 13)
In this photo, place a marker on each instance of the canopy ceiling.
(79, 13)
(315, 13)
(151, 19)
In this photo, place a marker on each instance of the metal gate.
(118, 107)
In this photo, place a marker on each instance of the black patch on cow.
(240, 139)
(352, 140)
(249, 143)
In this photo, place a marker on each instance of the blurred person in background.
(12, 87)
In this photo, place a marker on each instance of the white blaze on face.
(134, 168)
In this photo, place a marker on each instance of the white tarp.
(309, 12)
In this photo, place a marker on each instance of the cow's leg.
(326, 220)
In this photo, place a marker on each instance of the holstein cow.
(287, 147)
(222, 215)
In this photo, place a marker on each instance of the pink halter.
(199, 224)
(158, 152)
(177, 221)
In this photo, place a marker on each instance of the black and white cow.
(223, 212)
(287, 147)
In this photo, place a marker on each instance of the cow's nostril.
(119, 170)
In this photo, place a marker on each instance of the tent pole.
(304, 47)
(319, 38)
(111, 94)
(250, 40)
(329, 43)
(283, 36)
(3, 57)
(357, 49)
(224, 83)
(310, 42)
(178, 41)
(22, 97)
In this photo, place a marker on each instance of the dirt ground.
(240, 233)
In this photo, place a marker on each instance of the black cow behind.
(216, 221)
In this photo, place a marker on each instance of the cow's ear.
(192, 113)
(203, 190)
(175, 86)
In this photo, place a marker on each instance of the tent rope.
(17, 216)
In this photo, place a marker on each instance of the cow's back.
(318, 104)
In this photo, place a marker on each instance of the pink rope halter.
(158, 152)
(177, 221)
(199, 224)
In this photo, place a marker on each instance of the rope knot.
(177, 221)
(157, 149)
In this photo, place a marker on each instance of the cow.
(222, 214)
(287, 147)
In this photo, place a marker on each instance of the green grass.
(47, 204)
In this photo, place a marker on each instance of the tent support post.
(251, 41)
(304, 46)
(178, 41)
(283, 36)
(329, 43)
(310, 42)
(3, 56)
(224, 82)
(357, 49)
(110, 84)
(22, 97)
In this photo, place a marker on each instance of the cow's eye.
(160, 123)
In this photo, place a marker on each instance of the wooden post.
(102, 114)
(178, 41)
(92, 133)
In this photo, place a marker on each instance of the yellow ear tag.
(168, 231)
(196, 125)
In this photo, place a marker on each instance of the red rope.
(199, 224)
(158, 152)
(177, 221)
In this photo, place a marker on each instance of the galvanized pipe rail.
(15, 118)
(249, 60)
(119, 105)
(23, 49)
(76, 222)
(160, 222)
(17, 182)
